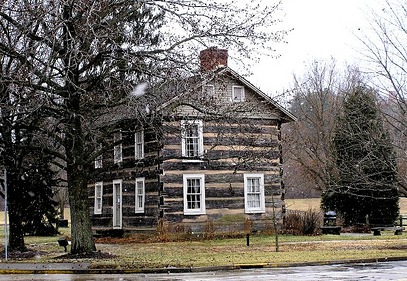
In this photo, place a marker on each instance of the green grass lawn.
(261, 250)
(129, 253)
(229, 252)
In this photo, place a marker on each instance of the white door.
(117, 204)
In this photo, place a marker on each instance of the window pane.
(238, 94)
(208, 90)
(139, 137)
(117, 148)
(194, 193)
(99, 159)
(253, 200)
(140, 188)
(253, 194)
(140, 201)
(139, 151)
(192, 138)
(98, 198)
(140, 195)
(99, 162)
(139, 144)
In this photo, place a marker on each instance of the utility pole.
(5, 215)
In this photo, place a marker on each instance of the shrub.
(302, 223)
(163, 231)
(209, 231)
(248, 226)
(310, 222)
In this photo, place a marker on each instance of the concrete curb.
(83, 268)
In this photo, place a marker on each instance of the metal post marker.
(5, 216)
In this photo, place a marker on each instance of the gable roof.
(287, 116)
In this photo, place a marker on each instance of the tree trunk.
(81, 228)
(77, 176)
(16, 237)
(14, 206)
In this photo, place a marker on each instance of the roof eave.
(289, 116)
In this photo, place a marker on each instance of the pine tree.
(366, 188)
(40, 215)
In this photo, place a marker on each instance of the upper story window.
(208, 90)
(98, 198)
(192, 138)
(118, 156)
(99, 158)
(254, 193)
(194, 194)
(238, 94)
(139, 144)
(140, 195)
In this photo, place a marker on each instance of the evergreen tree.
(40, 215)
(366, 186)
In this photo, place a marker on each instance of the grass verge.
(262, 250)
(130, 254)
(127, 254)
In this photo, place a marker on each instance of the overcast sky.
(322, 29)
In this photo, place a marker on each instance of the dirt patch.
(395, 247)
(18, 255)
(126, 240)
(90, 255)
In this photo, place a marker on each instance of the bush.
(302, 223)
(311, 222)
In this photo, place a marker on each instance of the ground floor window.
(194, 194)
(98, 198)
(117, 203)
(140, 195)
(254, 193)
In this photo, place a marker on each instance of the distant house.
(210, 153)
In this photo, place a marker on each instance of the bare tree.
(84, 58)
(308, 153)
(317, 100)
(21, 149)
(386, 52)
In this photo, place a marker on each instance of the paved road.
(372, 271)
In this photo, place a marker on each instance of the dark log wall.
(128, 171)
(238, 138)
(231, 151)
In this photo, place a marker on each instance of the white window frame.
(249, 192)
(199, 138)
(118, 148)
(208, 90)
(117, 224)
(140, 195)
(139, 145)
(201, 210)
(98, 206)
(236, 98)
(99, 159)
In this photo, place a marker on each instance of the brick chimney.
(213, 58)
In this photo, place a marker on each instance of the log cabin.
(208, 156)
